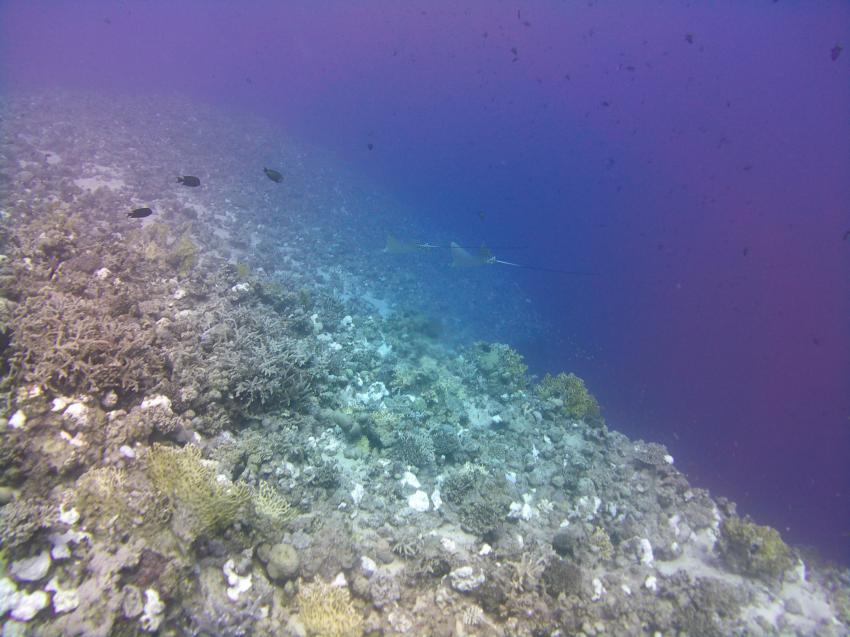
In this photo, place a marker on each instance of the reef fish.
(188, 180)
(273, 175)
(140, 213)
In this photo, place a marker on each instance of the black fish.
(140, 213)
(836, 51)
(273, 175)
(846, 236)
(689, 38)
(370, 145)
(188, 180)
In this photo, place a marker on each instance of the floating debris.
(274, 175)
(189, 180)
(140, 213)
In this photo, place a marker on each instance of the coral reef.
(212, 406)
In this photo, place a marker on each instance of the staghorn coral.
(250, 359)
(570, 392)
(206, 503)
(70, 343)
(408, 544)
(326, 611)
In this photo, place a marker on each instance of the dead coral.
(23, 519)
(69, 344)
(527, 572)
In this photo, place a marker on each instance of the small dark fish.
(836, 51)
(140, 213)
(846, 236)
(481, 215)
(370, 145)
(689, 37)
(746, 250)
(188, 180)
(273, 175)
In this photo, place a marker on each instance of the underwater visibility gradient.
(430, 277)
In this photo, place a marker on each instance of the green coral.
(271, 505)
(381, 428)
(600, 544)
(205, 502)
(101, 494)
(326, 610)
(243, 270)
(575, 400)
(501, 366)
(753, 549)
(183, 255)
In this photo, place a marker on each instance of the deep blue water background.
(697, 158)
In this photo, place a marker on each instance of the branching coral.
(194, 489)
(327, 611)
(250, 356)
(526, 572)
(70, 343)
